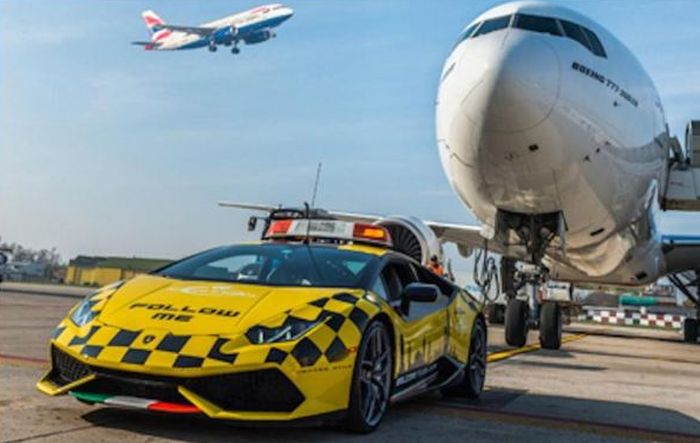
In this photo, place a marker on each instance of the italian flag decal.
(135, 402)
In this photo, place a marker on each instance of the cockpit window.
(493, 24)
(575, 32)
(535, 23)
(595, 42)
(584, 36)
(466, 33)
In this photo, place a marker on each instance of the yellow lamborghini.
(321, 319)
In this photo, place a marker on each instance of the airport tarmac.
(605, 384)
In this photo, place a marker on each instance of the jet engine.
(412, 237)
(259, 36)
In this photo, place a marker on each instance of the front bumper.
(279, 390)
(223, 376)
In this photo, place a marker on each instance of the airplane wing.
(466, 237)
(469, 236)
(681, 252)
(249, 206)
(199, 30)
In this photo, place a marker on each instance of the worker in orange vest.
(435, 266)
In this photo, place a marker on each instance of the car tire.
(517, 313)
(371, 381)
(474, 376)
(550, 325)
(690, 330)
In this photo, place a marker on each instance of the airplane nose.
(518, 84)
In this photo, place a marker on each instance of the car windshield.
(275, 264)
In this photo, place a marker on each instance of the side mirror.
(252, 223)
(420, 292)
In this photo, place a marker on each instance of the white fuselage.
(534, 123)
(244, 23)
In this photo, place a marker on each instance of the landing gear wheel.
(371, 381)
(235, 50)
(516, 323)
(212, 48)
(472, 383)
(495, 313)
(550, 325)
(690, 330)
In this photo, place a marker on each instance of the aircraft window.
(493, 24)
(584, 36)
(535, 23)
(595, 42)
(466, 34)
(574, 31)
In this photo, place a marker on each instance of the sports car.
(321, 319)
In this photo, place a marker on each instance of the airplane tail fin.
(153, 22)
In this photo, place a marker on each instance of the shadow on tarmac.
(497, 407)
(620, 419)
(553, 365)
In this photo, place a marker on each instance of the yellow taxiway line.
(502, 355)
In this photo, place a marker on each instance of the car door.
(421, 332)
(460, 310)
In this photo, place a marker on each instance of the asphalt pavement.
(604, 384)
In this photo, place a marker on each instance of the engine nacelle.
(259, 37)
(412, 237)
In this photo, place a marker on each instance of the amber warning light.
(329, 229)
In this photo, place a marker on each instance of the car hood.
(200, 307)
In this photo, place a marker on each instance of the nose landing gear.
(550, 325)
(517, 322)
(519, 317)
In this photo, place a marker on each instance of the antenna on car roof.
(307, 215)
(318, 179)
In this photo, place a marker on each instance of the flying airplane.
(552, 133)
(251, 27)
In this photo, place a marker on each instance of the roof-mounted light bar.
(328, 229)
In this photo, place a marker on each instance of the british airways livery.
(253, 26)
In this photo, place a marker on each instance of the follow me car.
(320, 319)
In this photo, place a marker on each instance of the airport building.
(99, 271)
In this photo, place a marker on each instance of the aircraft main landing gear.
(212, 48)
(235, 50)
(689, 284)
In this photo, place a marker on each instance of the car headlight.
(292, 329)
(83, 313)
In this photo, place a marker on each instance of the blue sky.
(109, 149)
